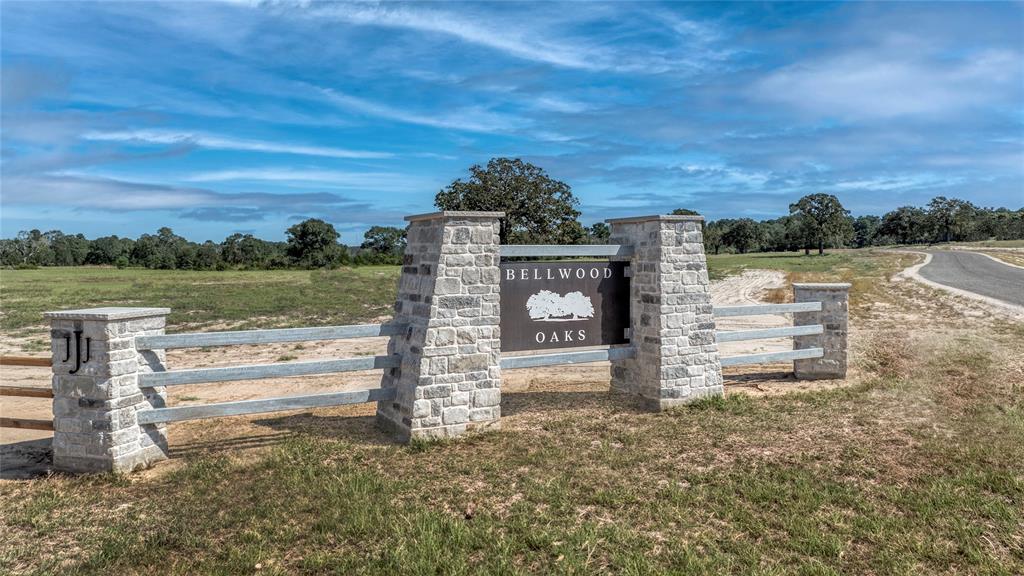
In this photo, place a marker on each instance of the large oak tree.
(538, 209)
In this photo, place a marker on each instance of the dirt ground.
(25, 452)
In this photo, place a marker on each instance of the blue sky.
(213, 118)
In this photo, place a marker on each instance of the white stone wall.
(94, 409)
(450, 377)
(834, 318)
(673, 326)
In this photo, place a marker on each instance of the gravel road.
(976, 273)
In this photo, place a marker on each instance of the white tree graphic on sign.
(547, 306)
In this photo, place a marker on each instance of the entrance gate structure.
(646, 308)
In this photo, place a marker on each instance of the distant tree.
(823, 219)
(313, 243)
(865, 229)
(207, 256)
(685, 212)
(68, 250)
(742, 235)
(384, 240)
(598, 233)
(950, 218)
(904, 225)
(537, 207)
(107, 249)
(713, 237)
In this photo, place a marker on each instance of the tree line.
(819, 221)
(538, 210)
(312, 243)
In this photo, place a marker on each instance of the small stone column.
(448, 294)
(96, 389)
(834, 317)
(673, 328)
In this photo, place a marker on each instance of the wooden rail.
(534, 360)
(25, 361)
(739, 335)
(773, 357)
(179, 413)
(548, 250)
(26, 423)
(757, 309)
(257, 371)
(201, 339)
(26, 391)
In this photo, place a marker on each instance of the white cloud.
(216, 142)
(892, 81)
(508, 39)
(470, 119)
(337, 179)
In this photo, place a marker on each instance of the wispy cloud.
(511, 40)
(217, 142)
(338, 179)
(886, 82)
(475, 119)
(90, 192)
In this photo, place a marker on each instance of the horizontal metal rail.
(26, 423)
(548, 250)
(773, 357)
(738, 335)
(535, 360)
(754, 310)
(200, 339)
(26, 391)
(179, 413)
(25, 361)
(257, 371)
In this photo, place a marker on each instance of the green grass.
(917, 470)
(250, 299)
(722, 265)
(897, 476)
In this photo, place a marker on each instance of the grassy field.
(915, 469)
(277, 298)
(251, 299)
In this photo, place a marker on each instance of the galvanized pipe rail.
(553, 250)
(772, 357)
(257, 371)
(263, 405)
(203, 339)
(762, 333)
(535, 360)
(758, 309)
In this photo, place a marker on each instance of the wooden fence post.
(96, 391)
(448, 294)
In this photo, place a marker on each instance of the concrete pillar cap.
(656, 217)
(454, 214)
(822, 285)
(108, 313)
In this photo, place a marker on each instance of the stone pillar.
(834, 318)
(673, 328)
(450, 377)
(94, 405)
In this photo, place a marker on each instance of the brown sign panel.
(563, 304)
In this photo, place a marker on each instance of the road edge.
(913, 273)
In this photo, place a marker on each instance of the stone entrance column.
(96, 389)
(448, 294)
(673, 328)
(834, 318)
